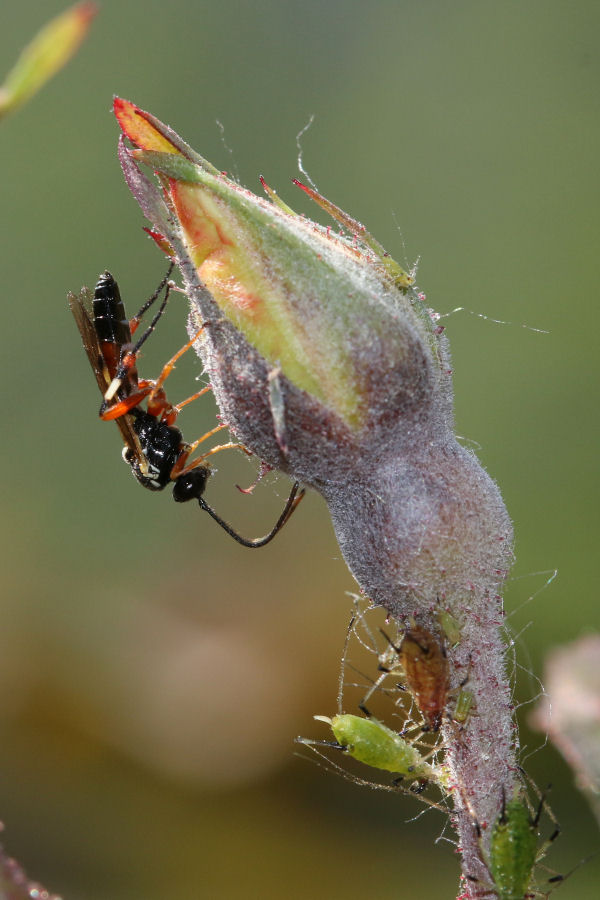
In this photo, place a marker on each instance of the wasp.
(153, 445)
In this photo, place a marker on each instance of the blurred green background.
(153, 674)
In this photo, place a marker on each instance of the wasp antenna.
(288, 509)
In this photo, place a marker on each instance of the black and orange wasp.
(153, 445)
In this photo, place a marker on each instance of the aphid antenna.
(359, 620)
(543, 805)
(349, 631)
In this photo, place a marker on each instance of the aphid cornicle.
(154, 447)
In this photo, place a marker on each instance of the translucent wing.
(79, 305)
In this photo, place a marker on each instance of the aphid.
(513, 848)
(154, 447)
(425, 666)
(514, 852)
(450, 627)
(374, 744)
(420, 662)
(463, 706)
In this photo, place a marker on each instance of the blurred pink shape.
(570, 713)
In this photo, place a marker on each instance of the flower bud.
(326, 362)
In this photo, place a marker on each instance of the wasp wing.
(79, 305)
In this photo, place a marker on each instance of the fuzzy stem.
(435, 530)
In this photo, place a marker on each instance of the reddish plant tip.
(87, 11)
(161, 242)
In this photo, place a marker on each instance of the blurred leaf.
(49, 51)
(571, 712)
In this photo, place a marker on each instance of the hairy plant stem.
(417, 530)
(429, 532)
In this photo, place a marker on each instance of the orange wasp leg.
(122, 407)
(180, 467)
(170, 365)
(158, 405)
(205, 390)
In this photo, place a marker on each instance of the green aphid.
(513, 850)
(450, 627)
(464, 704)
(374, 744)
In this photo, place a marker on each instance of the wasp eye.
(191, 485)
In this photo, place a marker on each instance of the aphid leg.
(390, 642)
(544, 806)
(375, 686)
(417, 787)
(388, 665)
(545, 846)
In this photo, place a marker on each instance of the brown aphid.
(426, 674)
